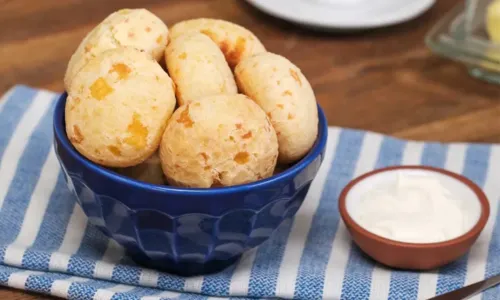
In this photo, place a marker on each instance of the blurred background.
(384, 79)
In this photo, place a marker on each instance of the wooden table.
(384, 80)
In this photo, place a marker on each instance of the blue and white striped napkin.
(47, 245)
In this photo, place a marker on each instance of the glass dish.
(462, 36)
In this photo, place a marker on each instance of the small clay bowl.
(413, 256)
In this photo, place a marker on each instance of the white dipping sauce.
(414, 206)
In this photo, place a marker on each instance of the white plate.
(344, 14)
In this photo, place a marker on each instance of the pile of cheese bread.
(199, 105)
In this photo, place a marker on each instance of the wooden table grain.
(381, 80)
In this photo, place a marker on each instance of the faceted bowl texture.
(180, 230)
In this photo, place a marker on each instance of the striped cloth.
(47, 245)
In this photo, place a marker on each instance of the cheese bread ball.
(281, 89)
(218, 141)
(149, 171)
(198, 68)
(118, 106)
(235, 41)
(136, 28)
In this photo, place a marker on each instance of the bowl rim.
(473, 232)
(61, 136)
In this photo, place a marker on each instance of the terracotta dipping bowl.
(413, 256)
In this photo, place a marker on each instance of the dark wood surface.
(381, 80)
(11, 294)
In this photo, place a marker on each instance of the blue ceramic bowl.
(179, 230)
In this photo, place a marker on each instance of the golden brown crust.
(198, 68)
(136, 28)
(281, 89)
(118, 106)
(235, 41)
(218, 141)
